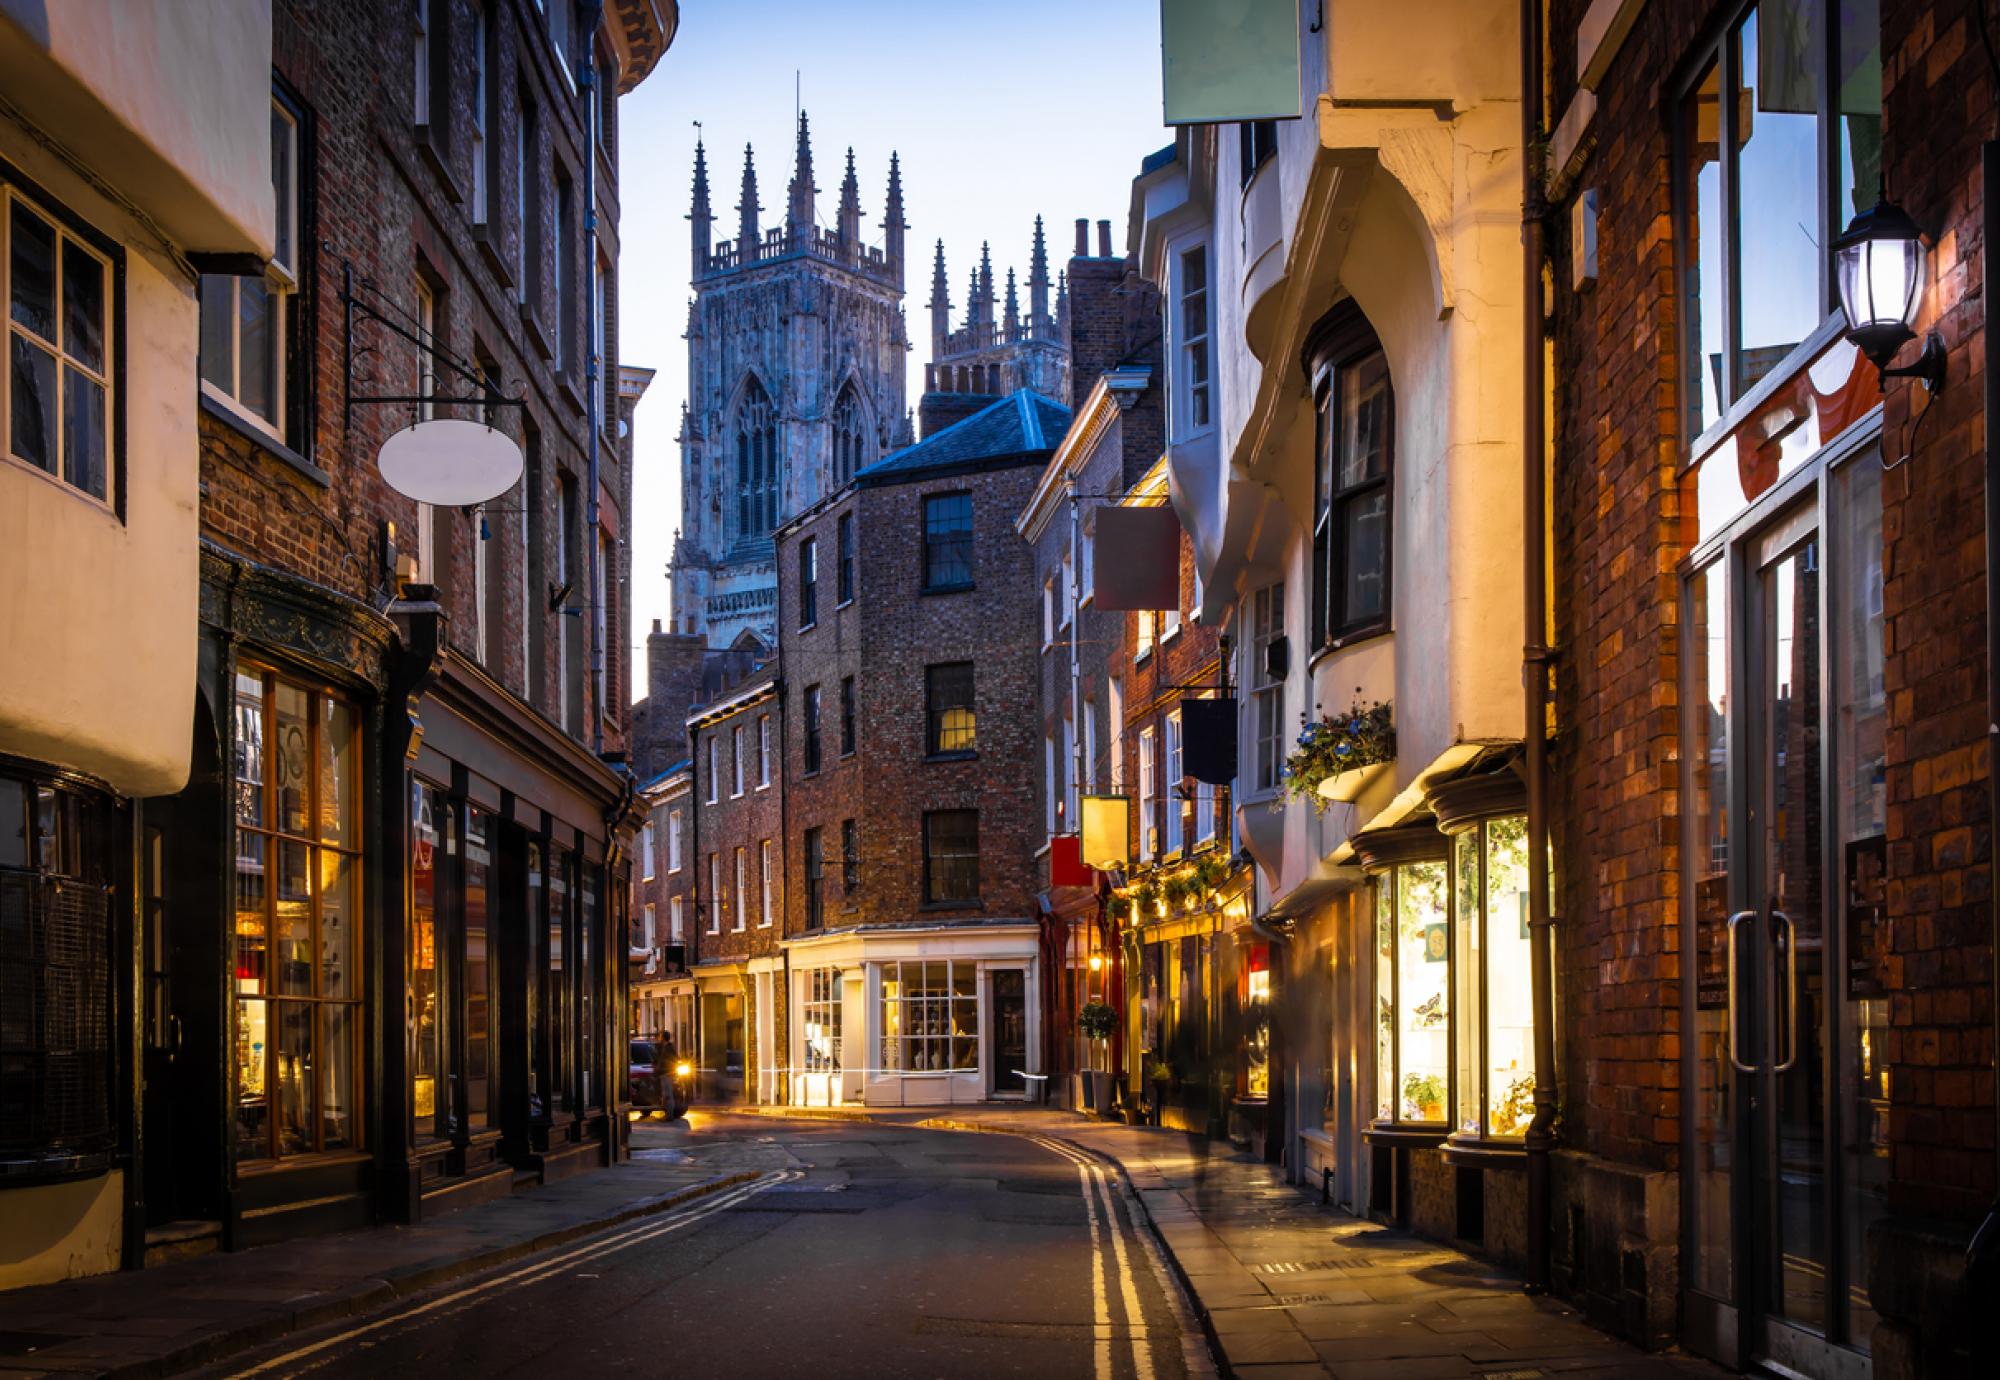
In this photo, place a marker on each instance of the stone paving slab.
(1349, 1298)
(190, 1312)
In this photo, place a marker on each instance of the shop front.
(370, 828)
(921, 1017)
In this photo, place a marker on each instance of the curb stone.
(377, 1291)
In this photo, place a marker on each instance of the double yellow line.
(650, 1229)
(1103, 1216)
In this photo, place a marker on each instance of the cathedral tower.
(797, 354)
(994, 353)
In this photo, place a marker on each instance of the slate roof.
(1021, 427)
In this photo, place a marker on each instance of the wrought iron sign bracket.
(362, 302)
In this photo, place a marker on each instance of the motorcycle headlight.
(683, 1069)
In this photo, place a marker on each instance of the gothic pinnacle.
(800, 213)
(747, 207)
(940, 293)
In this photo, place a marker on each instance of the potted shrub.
(1337, 758)
(1174, 891)
(1098, 1020)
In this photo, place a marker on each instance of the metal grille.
(55, 995)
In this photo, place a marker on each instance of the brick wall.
(885, 641)
(392, 207)
(727, 821)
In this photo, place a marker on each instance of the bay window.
(1354, 407)
(1412, 976)
(1767, 178)
(1493, 979)
(58, 381)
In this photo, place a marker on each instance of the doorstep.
(191, 1312)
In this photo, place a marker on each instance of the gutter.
(1535, 655)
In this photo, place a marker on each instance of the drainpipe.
(592, 375)
(1541, 1137)
(1982, 1256)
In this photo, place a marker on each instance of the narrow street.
(862, 1249)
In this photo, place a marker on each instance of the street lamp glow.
(1880, 270)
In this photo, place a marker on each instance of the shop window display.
(930, 1016)
(1413, 992)
(1493, 979)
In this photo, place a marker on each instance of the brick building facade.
(405, 797)
(912, 921)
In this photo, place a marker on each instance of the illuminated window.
(1413, 990)
(296, 755)
(930, 1016)
(1493, 979)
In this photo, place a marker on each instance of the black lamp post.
(1879, 262)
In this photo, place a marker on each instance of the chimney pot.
(1104, 239)
(1082, 238)
(656, 627)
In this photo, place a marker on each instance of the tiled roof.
(1022, 426)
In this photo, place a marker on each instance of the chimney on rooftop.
(1104, 239)
(1082, 238)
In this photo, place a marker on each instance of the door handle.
(1735, 1054)
(1790, 1027)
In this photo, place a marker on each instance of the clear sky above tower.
(999, 112)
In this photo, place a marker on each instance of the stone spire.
(892, 220)
(850, 204)
(986, 298)
(699, 215)
(746, 211)
(972, 300)
(1038, 282)
(1062, 304)
(799, 214)
(940, 304)
(1013, 317)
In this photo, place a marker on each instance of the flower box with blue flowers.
(1338, 757)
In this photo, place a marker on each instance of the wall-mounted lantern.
(1879, 265)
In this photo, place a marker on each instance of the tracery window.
(850, 447)
(756, 463)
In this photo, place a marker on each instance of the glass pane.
(1858, 102)
(1365, 544)
(1701, 143)
(1794, 1168)
(339, 925)
(33, 430)
(337, 1095)
(425, 856)
(83, 432)
(247, 749)
(1423, 1000)
(258, 338)
(1364, 421)
(13, 824)
(253, 1106)
(1711, 1103)
(534, 982)
(83, 306)
(293, 958)
(478, 967)
(293, 1076)
(33, 258)
(291, 724)
(587, 969)
(1862, 814)
(1509, 994)
(964, 979)
(218, 335)
(1385, 998)
(560, 866)
(281, 185)
(1777, 183)
(1466, 924)
(252, 894)
(338, 762)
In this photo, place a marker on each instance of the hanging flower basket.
(1340, 756)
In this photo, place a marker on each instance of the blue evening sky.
(999, 111)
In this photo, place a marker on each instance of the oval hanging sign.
(450, 462)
